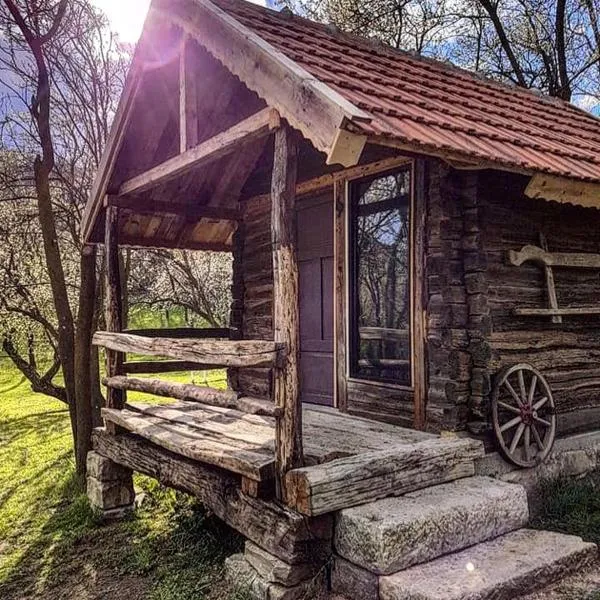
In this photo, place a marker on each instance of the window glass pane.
(381, 278)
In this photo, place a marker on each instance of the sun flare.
(126, 16)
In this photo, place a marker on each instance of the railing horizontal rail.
(184, 332)
(219, 353)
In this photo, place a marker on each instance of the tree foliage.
(61, 75)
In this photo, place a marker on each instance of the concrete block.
(350, 581)
(246, 579)
(104, 469)
(108, 495)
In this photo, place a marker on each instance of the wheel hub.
(527, 414)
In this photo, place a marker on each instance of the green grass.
(52, 545)
(571, 506)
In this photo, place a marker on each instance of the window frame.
(352, 297)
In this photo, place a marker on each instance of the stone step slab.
(395, 533)
(249, 584)
(502, 569)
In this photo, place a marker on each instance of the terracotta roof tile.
(432, 106)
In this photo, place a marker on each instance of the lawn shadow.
(43, 424)
(172, 549)
(59, 559)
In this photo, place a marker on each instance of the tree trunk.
(564, 90)
(83, 358)
(492, 11)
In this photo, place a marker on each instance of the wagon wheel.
(524, 415)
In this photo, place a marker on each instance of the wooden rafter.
(222, 144)
(151, 242)
(188, 98)
(309, 105)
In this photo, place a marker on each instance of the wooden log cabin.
(415, 251)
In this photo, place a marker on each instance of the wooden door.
(315, 267)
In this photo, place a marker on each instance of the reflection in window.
(380, 278)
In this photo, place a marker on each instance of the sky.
(127, 16)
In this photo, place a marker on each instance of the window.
(380, 278)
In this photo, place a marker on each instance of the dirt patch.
(83, 572)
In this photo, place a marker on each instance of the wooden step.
(502, 569)
(194, 393)
(396, 533)
(363, 478)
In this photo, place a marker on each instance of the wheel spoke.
(538, 439)
(542, 421)
(517, 438)
(540, 403)
(527, 443)
(508, 407)
(532, 390)
(512, 392)
(510, 424)
(522, 386)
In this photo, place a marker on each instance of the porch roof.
(430, 107)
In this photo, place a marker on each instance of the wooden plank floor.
(244, 443)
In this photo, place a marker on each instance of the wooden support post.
(339, 294)
(114, 308)
(286, 323)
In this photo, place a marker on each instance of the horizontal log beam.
(367, 477)
(553, 312)
(152, 242)
(190, 211)
(183, 332)
(222, 144)
(163, 366)
(229, 353)
(280, 531)
(202, 394)
(561, 189)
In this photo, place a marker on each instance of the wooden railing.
(196, 352)
(282, 354)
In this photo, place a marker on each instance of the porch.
(346, 460)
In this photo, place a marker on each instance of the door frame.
(417, 289)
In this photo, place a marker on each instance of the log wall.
(472, 220)
(451, 221)
(450, 200)
(568, 353)
(253, 274)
